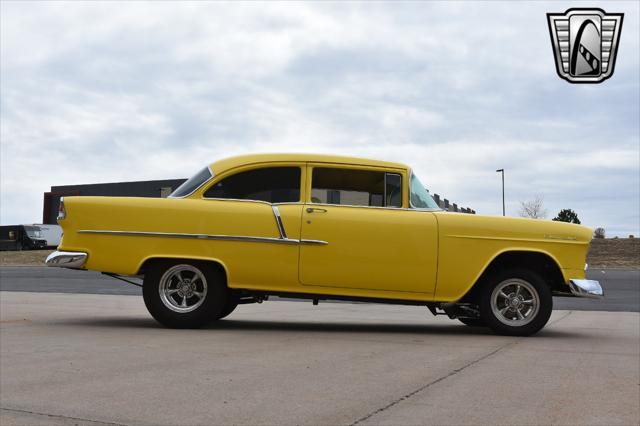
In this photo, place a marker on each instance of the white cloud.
(113, 91)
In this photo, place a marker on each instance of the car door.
(260, 204)
(374, 241)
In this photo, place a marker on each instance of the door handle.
(316, 210)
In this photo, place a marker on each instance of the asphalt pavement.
(622, 287)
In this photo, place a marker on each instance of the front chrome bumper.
(586, 288)
(66, 259)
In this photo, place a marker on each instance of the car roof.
(243, 160)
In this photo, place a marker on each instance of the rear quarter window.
(193, 183)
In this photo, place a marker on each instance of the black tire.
(472, 322)
(208, 281)
(534, 314)
(232, 304)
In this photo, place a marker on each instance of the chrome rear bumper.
(66, 259)
(586, 288)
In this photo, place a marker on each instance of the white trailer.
(51, 233)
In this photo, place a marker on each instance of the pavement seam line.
(559, 319)
(446, 376)
(421, 388)
(60, 416)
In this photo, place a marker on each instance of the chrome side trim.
(204, 237)
(314, 242)
(537, 240)
(586, 288)
(281, 230)
(66, 259)
(560, 237)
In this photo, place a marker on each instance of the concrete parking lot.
(622, 287)
(100, 359)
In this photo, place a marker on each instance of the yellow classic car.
(323, 227)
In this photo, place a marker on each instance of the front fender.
(469, 244)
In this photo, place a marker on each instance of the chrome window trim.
(354, 206)
(425, 209)
(384, 194)
(375, 207)
(411, 206)
(198, 187)
(287, 203)
(309, 203)
(204, 236)
(244, 200)
(385, 188)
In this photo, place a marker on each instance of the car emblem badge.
(585, 43)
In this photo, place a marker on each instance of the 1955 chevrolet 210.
(323, 227)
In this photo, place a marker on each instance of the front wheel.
(184, 294)
(515, 302)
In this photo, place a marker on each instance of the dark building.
(149, 188)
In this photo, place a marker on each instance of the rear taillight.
(62, 213)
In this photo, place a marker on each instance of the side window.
(273, 184)
(356, 187)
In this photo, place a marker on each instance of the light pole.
(502, 171)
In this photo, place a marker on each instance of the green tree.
(567, 215)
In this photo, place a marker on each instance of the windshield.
(193, 183)
(33, 232)
(419, 197)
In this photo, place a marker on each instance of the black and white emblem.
(585, 43)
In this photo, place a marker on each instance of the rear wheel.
(185, 294)
(515, 302)
(232, 304)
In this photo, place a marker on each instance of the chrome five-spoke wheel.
(186, 293)
(515, 302)
(183, 288)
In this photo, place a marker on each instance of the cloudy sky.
(117, 91)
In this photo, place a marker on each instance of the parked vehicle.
(21, 237)
(50, 233)
(324, 227)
